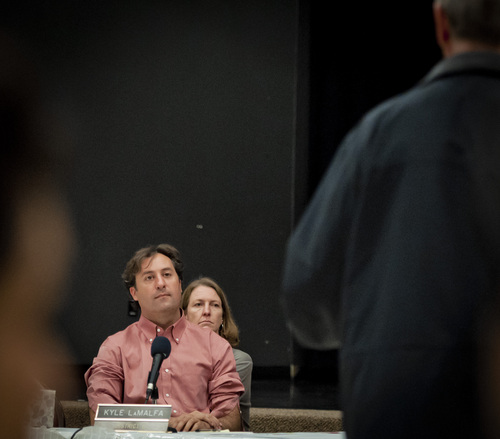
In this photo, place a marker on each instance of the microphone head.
(161, 345)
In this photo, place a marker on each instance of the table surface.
(102, 433)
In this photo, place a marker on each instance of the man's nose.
(160, 281)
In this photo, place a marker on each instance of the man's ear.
(133, 293)
(442, 29)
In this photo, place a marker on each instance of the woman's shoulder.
(241, 356)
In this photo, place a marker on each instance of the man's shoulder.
(205, 334)
(193, 328)
(122, 334)
(378, 118)
(395, 105)
(375, 131)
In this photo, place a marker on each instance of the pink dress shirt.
(200, 373)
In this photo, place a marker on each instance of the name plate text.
(137, 417)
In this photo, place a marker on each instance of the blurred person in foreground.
(395, 260)
(36, 241)
(205, 304)
(198, 379)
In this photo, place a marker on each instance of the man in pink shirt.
(198, 378)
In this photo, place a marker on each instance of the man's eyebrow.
(143, 273)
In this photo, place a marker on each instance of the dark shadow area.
(286, 393)
(314, 386)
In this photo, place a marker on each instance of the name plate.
(136, 417)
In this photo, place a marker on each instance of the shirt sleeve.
(313, 265)
(244, 366)
(225, 387)
(104, 379)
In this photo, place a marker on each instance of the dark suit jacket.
(396, 255)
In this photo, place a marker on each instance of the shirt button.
(157, 329)
(177, 339)
(166, 370)
(151, 340)
(167, 395)
(175, 411)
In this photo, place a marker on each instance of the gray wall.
(181, 119)
(207, 124)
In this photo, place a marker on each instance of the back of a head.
(477, 21)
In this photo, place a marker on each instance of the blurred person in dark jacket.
(395, 259)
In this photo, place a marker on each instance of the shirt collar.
(174, 332)
(484, 62)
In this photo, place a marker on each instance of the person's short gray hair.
(474, 20)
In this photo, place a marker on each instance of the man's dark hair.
(134, 265)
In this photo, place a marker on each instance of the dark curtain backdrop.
(353, 56)
(208, 124)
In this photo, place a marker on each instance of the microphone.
(160, 349)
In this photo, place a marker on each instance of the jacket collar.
(483, 63)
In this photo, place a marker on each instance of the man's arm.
(195, 421)
(225, 386)
(204, 421)
(104, 379)
(232, 421)
(315, 253)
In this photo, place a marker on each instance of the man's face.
(157, 287)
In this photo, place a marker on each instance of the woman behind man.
(205, 304)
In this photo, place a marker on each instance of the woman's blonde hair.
(228, 329)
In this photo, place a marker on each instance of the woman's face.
(205, 308)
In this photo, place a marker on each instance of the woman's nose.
(206, 309)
